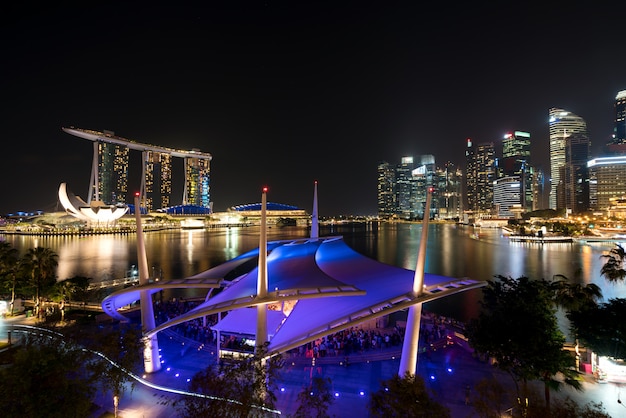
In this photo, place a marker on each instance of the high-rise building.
(109, 174)
(157, 179)
(573, 189)
(515, 162)
(386, 195)
(562, 124)
(405, 185)
(197, 181)
(607, 176)
(506, 196)
(480, 175)
(448, 191)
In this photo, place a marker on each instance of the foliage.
(602, 328)
(405, 397)
(517, 326)
(46, 379)
(9, 265)
(559, 408)
(613, 269)
(314, 400)
(72, 289)
(242, 388)
(39, 268)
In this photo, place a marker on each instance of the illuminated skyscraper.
(197, 181)
(574, 186)
(386, 194)
(109, 175)
(562, 124)
(157, 179)
(480, 176)
(448, 193)
(515, 162)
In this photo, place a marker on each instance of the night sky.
(286, 93)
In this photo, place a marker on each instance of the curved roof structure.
(332, 288)
(94, 212)
(257, 207)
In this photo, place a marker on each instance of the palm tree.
(575, 296)
(613, 269)
(39, 266)
(8, 269)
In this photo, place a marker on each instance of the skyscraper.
(109, 174)
(562, 124)
(197, 179)
(480, 176)
(515, 162)
(574, 186)
(157, 179)
(386, 195)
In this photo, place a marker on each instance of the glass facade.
(562, 124)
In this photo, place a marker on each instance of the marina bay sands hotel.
(109, 172)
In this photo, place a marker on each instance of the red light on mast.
(265, 189)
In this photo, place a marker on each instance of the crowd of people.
(353, 340)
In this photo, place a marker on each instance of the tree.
(9, 263)
(517, 326)
(315, 399)
(39, 266)
(613, 269)
(46, 378)
(241, 388)
(602, 328)
(405, 397)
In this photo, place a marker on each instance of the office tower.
(607, 176)
(197, 182)
(515, 162)
(156, 179)
(562, 124)
(573, 188)
(480, 176)
(423, 176)
(109, 174)
(386, 196)
(507, 192)
(405, 185)
(448, 192)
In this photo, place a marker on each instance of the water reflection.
(452, 250)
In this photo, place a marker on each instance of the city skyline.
(282, 95)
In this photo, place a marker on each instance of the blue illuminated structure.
(319, 284)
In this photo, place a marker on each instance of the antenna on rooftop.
(314, 222)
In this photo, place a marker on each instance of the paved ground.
(447, 371)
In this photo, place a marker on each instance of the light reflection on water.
(452, 250)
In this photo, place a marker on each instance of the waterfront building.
(405, 189)
(515, 162)
(574, 186)
(617, 145)
(607, 181)
(109, 173)
(386, 193)
(562, 124)
(480, 176)
(507, 192)
(448, 193)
